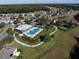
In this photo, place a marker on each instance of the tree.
(2, 25)
(76, 17)
(20, 17)
(74, 53)
(52, 36)
(42, 37)
(22, 8)
(43, 21)
(16, 21)
(45, 38)
(28, 21)
(10, 32)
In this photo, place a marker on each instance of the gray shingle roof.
(6, 52)
(24, 27)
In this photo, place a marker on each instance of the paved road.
(2, 36)
(53, 31)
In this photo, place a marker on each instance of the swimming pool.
(33, 32)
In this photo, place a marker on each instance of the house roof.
(24, 27)
(6, 52)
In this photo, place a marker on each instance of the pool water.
(33, 31)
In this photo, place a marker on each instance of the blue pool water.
(33, 31)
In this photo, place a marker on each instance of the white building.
(23, 27)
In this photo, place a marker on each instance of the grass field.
(64, 41)
(27, 41)
(34, 53)
(57, 48)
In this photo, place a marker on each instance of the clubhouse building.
(28, 31)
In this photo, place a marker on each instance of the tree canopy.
(76, 17)
(22, 8)
(2, 25)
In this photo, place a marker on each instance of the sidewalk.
(27, 44)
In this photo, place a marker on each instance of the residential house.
(9, 53)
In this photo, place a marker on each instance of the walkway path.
(27, 45)
(53, 31)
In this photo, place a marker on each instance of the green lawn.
(28, 41)
(63, 41)
(34, 53)
(48, 30)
